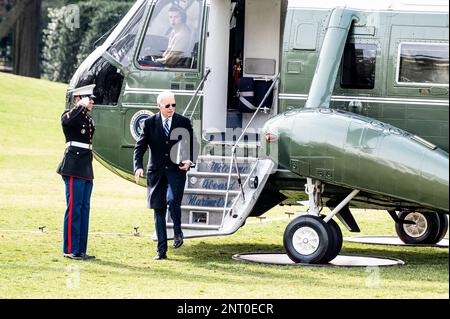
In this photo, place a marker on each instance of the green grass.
(32, 266)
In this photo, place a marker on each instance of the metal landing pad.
(339, 261)
(390, 240)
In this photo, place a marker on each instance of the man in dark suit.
(163, 133)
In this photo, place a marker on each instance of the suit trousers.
(167, 193)
(76, 218)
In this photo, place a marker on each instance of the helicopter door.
(261, 53)
(216, 59)
(246, 31)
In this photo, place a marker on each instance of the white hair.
(164, 94)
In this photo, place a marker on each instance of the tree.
(26, 41)
(24, 21)
(65, 47)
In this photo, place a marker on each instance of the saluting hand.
(83, 102)
(138, 174)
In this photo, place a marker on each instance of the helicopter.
(336, 104)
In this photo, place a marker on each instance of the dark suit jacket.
(154, 138)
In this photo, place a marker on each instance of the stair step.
(196, 226)
(200, 216)
(231, 135)
(221, 166)
(253, 144)
(213, 182)
(214, 175)
(206, 200)
(204, 208)
(226, 159)
(244, 149)
(210, 192)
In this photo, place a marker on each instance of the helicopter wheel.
(336, 244)
(426, 230)
(308, 239)
(443, 227)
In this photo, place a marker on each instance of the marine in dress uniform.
(77, 173)
(166, 176)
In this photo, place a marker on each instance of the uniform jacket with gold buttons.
(77, 126)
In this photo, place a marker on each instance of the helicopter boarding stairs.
(203, 210)
(223, 188)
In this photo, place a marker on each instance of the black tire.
(336, 240)
(317, 236)
(425, 232)
(443, 227)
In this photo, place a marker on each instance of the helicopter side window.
(108, 81)
(421, 63)
(358, 66)
(121, 49)
(172, 36)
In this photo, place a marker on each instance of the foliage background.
(65, 47)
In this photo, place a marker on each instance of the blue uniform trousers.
(168, 192)
(76, 219)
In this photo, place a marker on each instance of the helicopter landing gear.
(314, 238)
(427, 229)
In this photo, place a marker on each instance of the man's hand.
(186, 166)
(138, 174)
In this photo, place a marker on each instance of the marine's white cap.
(87, 90)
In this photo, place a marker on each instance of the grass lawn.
(32, 266)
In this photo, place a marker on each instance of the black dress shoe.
(73, 256)
(160, 256)
(85, 256)
(178, 241)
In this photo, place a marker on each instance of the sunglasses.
(170, 105)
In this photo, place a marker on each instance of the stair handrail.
(235, 201)
(235, 146)
(205, 77)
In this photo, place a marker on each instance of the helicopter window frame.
(197, 39)
(353, 83)
(399, 64)
(140, 11)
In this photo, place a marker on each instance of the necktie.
(166, 127)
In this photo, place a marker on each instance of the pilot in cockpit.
(179, 42)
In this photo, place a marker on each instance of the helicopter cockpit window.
(121, 49)
(423, 63)
(172, 36)
(358, 66)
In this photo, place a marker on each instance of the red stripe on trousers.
(69, 224)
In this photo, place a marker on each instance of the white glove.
(83, 102)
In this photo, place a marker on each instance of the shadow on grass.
(417, 256)
(204, 253)
(201, 255)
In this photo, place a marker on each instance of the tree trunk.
(9, 18)
(26, 41)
